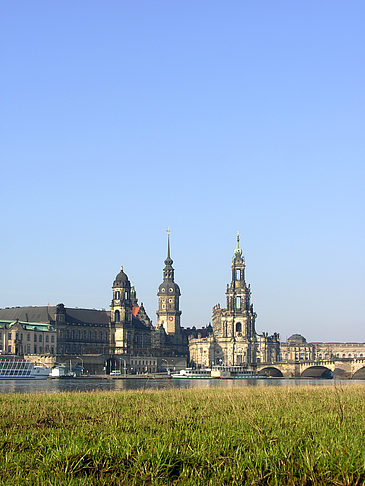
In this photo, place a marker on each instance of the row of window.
(297, 356)
(343, 355)
(170, 306)
(80, 349)
(238, 328)
(142, 362)
(29, 349)
(36, 337)
(84, 335)
(117, 295)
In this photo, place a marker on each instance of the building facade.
(125, 339)
(27, 338)
(296, 348)
(233, 339)
(122, 338)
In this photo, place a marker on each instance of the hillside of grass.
(256, 436)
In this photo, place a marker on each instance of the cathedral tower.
(238, 298)
(234, 326)
(168, 314)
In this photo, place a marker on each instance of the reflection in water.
(77, 385)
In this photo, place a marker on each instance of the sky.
(121, 119)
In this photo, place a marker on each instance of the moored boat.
(193, 374)
(14, 367)
(235, 372)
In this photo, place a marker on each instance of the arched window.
(238, 302)
(117, 316)
(126, 295)
(117, 295)
(238, 274)
(238, 327)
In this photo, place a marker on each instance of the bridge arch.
(359, 374)
(271, 371)
(317, 372)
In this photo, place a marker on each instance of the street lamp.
(82, 364)
(167, 369)
(125, 365)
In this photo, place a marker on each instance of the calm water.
(78, 385)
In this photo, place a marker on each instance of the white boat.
(235, 372)
(58, 372)
(193, 374)
(16, 368)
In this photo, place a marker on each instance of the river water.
(120, 384)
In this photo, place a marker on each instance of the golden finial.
(168, 231)
(47, 304)
(121, 267)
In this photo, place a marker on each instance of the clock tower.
(168, 314)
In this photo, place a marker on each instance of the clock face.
(171, 318)
(171, 289)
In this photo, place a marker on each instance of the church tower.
(234, 326)
(121, 313)
(168, 314)
(238, 298)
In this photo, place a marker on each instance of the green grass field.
(290, 436)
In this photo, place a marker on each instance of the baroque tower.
(168, 314)
(234, 326)
(238, 298)
(121, 312)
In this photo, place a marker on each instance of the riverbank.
(305, 435)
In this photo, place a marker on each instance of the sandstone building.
(21, 338)
(233, 339)
(297, 349)
(122, 338)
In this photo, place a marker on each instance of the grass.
(255, 436)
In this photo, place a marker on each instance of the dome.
(297, 338)
(121, 280)
(165, 288)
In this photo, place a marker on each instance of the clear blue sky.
(123, 118)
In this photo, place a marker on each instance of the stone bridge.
(339, 368)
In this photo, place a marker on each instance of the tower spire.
(238, 250)
(168, 298)
(168, 243)
(168, 261)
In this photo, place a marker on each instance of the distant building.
(233, 339)
(26, 338)
(122, 338)
(79, 331)
(297, 349)
(125, 339)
